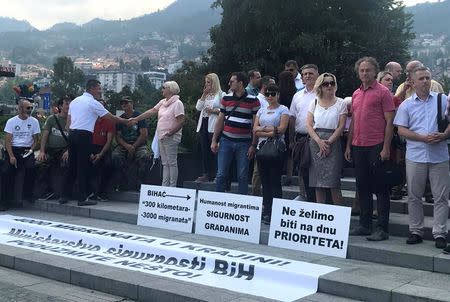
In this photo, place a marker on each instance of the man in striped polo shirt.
(234, 126)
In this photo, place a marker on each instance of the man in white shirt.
(83, 113)
(299, 110)
(21, 139)
(292, 67)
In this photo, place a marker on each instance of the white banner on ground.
(166, 208)
(230, 216)
(271, 277)
(310, 227)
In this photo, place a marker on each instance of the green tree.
(445, 81)
(330, 33)
(66, 79)
(146, 64)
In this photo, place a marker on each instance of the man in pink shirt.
(369, 140)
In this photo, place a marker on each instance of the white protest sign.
(230, 216)
(310, 227)
(234, 270)
(166, 208)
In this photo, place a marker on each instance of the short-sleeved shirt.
(101, 129)
(168, 111)
(84, 111)
(22, 131)
(420, 116)
(368, 108)
(262, 100)
(271, 118)
(238, 127)
(435, 87)
(55, 137)
(299, 108)
(131, 133)
(328, 118)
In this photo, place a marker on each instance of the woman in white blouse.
(325, 124)
(208, 105)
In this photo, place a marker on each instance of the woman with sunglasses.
(274, 117)
(325, 124)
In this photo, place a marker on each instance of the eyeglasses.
(326, 84)
(273, 93)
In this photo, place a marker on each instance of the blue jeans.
(228, 150)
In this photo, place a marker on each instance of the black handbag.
(388, 174)
(272, 148)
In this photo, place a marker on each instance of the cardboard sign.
(254, 274)
(166, 208)
(230, 216)
(310, 227)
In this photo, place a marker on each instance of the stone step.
(291, 192)
(424, 255)
(356, 279)
(19, 286)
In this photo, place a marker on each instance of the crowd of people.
(76, 158)
(315, 133)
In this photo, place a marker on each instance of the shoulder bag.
(272, 148)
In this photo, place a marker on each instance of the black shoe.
(62, 200)
(102, 197)
(360, 231)
(48, 195)
(396, 196)
(87, 202)
(447, 250)
(414, 239)
(440, 243)
(378, 235)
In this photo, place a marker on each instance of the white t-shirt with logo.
(22, 130)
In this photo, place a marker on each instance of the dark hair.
(370, 60)
(92, 83)
(291, 63)
(241, 77)
(251, 73)
(287, 88)
(61, 101)
(265, 80)
(272, 88)
(307, 66)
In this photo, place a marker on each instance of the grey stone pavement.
(17, 286)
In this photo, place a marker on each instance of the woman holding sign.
(270, 122)
(325, 124)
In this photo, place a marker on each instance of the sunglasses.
(28, 108)
(267, 94)
(326, 84)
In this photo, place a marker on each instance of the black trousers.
(101, 171)
(208, 158)
(270, 173)
(364, 158)
(80, 143)
(23, 176)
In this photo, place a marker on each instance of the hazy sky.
(43, 14)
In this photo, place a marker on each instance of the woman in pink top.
(170, 112)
